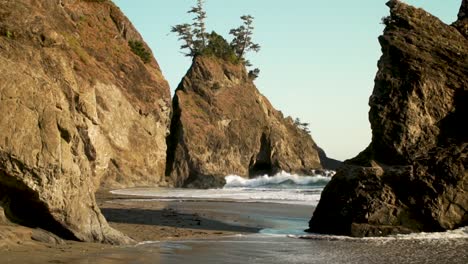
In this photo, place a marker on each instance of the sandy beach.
(170, 230)
(142, 221)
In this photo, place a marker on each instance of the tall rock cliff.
(222, 125)
(412, 177)
(462, 23)
(79, 109)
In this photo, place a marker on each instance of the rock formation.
(462, 23)
(412, 177)
(328, 163)
(79, 109)
(222, 125)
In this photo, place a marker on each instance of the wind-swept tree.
(303, 126)
(185, 34)
(193, 35)
(253, 74)
(242, 41)
(199, 26)
(198, 42)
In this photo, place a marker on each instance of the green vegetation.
(75, 45)
(139, 49)
(253, 74)
(7, 33)
(198, 42)
(193, 35)
(302, 126)
(199, 28)
(386, 20)
(242, 41)
(218, 47)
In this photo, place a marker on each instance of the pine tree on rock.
(185, 34)
(242, 41)
(199, 26)
(193, 35)
(198, 42)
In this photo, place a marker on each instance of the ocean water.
(270, 249)
(283, 188)
(281, 206)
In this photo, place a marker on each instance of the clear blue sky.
(318, 57)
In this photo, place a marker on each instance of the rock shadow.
(169, 218)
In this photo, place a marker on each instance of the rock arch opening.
(261, 164)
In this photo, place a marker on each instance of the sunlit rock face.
(222, 125)
(79, 110)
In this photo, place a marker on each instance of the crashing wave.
(234, 181)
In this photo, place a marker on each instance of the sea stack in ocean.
(222, 125)
(82, 103)
(412, 177)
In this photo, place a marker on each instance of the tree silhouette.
(193, 35)
(185, 34)
(242, 41)
(198, 42)
(302, 126)
(253, 74)
(199, 27)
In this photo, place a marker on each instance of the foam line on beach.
(461, 233)
(233, 181)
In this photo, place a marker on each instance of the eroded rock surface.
(412, 177)
(462, 23)
(79, 109)
(222, 125)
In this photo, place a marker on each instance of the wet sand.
(145, 220)
(142, 221)
(220, 232)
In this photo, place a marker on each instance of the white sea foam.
(281, 178)
(283, 188)
(304, 197)
(461, 233)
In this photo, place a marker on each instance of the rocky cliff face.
(222, 125)
(79, 109)
(462, 23)
(412, 177)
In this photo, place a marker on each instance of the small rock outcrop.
(462, 23)
(413, 175)
(83, 104)
(222, 125)
(328, 163)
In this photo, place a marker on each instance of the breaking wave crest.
(283, 188)
(282, 180)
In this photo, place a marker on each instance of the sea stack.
(462, 23)
(83, 104)
(412, 177)
(222, 125)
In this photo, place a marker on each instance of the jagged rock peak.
(413, 175)
(222, 125)
(462, 23)
(463, 14)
